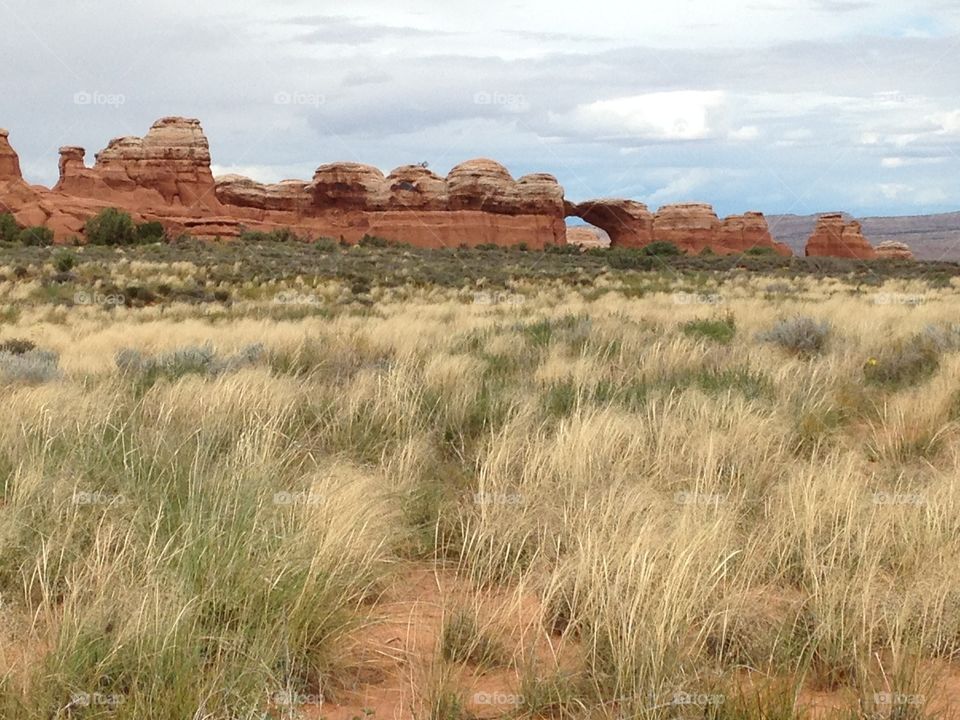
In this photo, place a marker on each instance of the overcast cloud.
(777, 105)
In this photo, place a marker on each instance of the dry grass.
(690, 506)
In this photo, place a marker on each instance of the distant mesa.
(892, 250)
(166, 176)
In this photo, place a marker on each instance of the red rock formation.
(739, 233)
(587, 237)
(690, 226)
(834, 237)
(628, 223)
(892, 250)
(415, 188)
(9, 160)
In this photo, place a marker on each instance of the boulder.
(835, 237)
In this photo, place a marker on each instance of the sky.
(782, 106)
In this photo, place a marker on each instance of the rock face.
(9, 160)
(836, 237)
(690, 226)
(741, 233)
(892, 250)
(628, 223)
(587, 237)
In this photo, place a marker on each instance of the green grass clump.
(720, 330)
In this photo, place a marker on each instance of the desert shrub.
(907, 361)
(800, 335)
(276, 235)
(372, 241)
(36, 236)
(151, 232)
(760, 251)
(325, 245)
(64, 260)
(719, 330)
(16, 347)
(9, 228)
(626, 258)
(31, 367)
(464, 641)
(661, 249)
(110, 227)
(191, 359)
(563, 249)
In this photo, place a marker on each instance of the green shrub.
(64, 260)
(661, 249)
(325, 245)
(760, 251)
(151, 232)
(9, 228)
(907, 362)
(110, 227)
(36, 236)
(719, 330)
(800, 335)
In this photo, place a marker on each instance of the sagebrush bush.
(64, 260)
(31, 367)
(111, 227)
(800, 335)
(151, 232)
(191, 359)
(910, 360)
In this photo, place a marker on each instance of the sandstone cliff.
(834, 236)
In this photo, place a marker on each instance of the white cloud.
(682, 187)
(747, 132)
(899, 162)
(678, 115)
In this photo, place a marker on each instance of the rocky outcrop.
(347, 186)
(627, 222)
(288, 196)
(587, 237)
(740, 233)
(834, 236)
(892, 250)
(414, 187)
(9, 160)
(690, 226)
